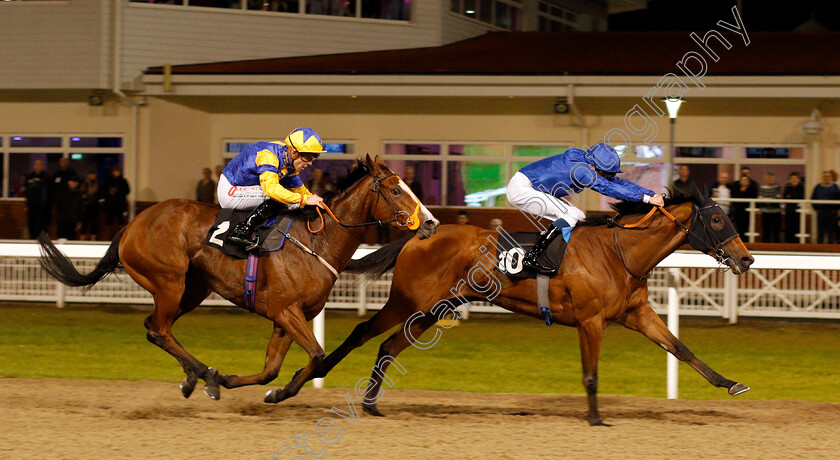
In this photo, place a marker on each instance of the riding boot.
(531, 260)
(243, 233)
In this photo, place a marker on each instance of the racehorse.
(163, 250)
(602, 279)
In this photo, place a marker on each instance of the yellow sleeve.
(267, 158)
(302, 190)
(270, 183)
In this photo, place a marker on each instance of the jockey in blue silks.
(541, 188)
(265, 177)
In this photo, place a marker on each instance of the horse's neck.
(336, 244)
(650, 247)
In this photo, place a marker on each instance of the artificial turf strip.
(488, 353)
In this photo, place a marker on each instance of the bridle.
(410, 221)
(714, 248)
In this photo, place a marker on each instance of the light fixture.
(561, 105)
(673, 104)
(813, 125)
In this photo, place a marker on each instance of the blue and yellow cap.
(305, 140)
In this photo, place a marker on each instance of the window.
(397, 10)
(465, 174)
(505, 14)
(86, 154)
(556, 18)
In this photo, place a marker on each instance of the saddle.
(512, 248)
(271, 235)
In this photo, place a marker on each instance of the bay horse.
(602, 279)
(163, 250)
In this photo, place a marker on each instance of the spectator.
(205, 192)
(64, 174)
(745, 171)
(684, 184)
(740, 216)
(68, 206)
(826, 213)
(722, 192)
(463, 218)
(771, 213)
(91, 194)
(412, 183)
(495, 223)
(320, 183)
(794, 190)
(115, 205)
(37, 199)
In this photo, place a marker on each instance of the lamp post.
(673, 105)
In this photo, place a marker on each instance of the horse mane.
(630, 208)
(358, 171)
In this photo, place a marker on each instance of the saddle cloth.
(271, 234)
(512, 248)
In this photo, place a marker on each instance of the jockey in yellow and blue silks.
(541, 189)
(265, 176)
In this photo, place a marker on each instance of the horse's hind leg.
(388, 351)
(278, 345)
(646, 321)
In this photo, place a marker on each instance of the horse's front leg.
(646, 321)
(294, 322)
(590, 333)
(278, 345)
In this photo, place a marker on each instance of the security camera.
(561, 105)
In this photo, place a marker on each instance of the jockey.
(540, 189)
(263, 176)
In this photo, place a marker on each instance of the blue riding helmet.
(604, 157)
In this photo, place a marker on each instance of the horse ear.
(371, 164)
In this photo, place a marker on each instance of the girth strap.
(251, 267)
(311, 252)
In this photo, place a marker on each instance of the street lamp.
(673, 104)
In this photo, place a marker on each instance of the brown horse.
(602, 279)
(163, 250)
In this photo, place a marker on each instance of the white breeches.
(242, 197)
(522, 194)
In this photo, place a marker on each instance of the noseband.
(714, 248)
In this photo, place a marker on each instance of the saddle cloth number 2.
(222, 228)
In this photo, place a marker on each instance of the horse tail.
(61, 268)
(380, 261)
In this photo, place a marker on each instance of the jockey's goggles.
(308, 156)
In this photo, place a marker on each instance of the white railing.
(805, 209)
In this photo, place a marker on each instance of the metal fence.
(801, 285)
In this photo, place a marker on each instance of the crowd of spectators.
(76, 204)
(772, 215)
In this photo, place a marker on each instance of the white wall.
(52, 45)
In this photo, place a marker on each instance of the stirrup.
(249, 245)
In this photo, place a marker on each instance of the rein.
(717, 250)
(374, 189)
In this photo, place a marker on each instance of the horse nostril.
(747, 260)
(431, 223)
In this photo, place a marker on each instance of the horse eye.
(396, 192)
(716, 220)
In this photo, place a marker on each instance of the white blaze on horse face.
(425, 214)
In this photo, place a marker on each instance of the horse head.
(711, 232)
(396, 203)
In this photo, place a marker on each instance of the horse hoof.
(187, 386)
(213, 392)
(598, 423)
(372, 410)
(737, 389)
(272, 397)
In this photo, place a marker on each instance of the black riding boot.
(242, 234)
(532, 258)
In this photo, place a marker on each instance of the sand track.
(117, 419)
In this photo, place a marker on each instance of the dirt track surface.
(117, 419)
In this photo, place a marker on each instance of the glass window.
(102, 142)
(475, 184)
(208, 3)
(503, 15)
(704, 152)
(19, 141)
(648, 151)
(329, 170)
(235, 147)
(21, 164)
(538, 150)
(165, 2)
(278, 6)
(485, 11)
(412, 149)
(775, 152)
(399, 10)
(475, 150)
(455, 6)
(427, 178)
(469, 8)
(331, 7)
(100, 163)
